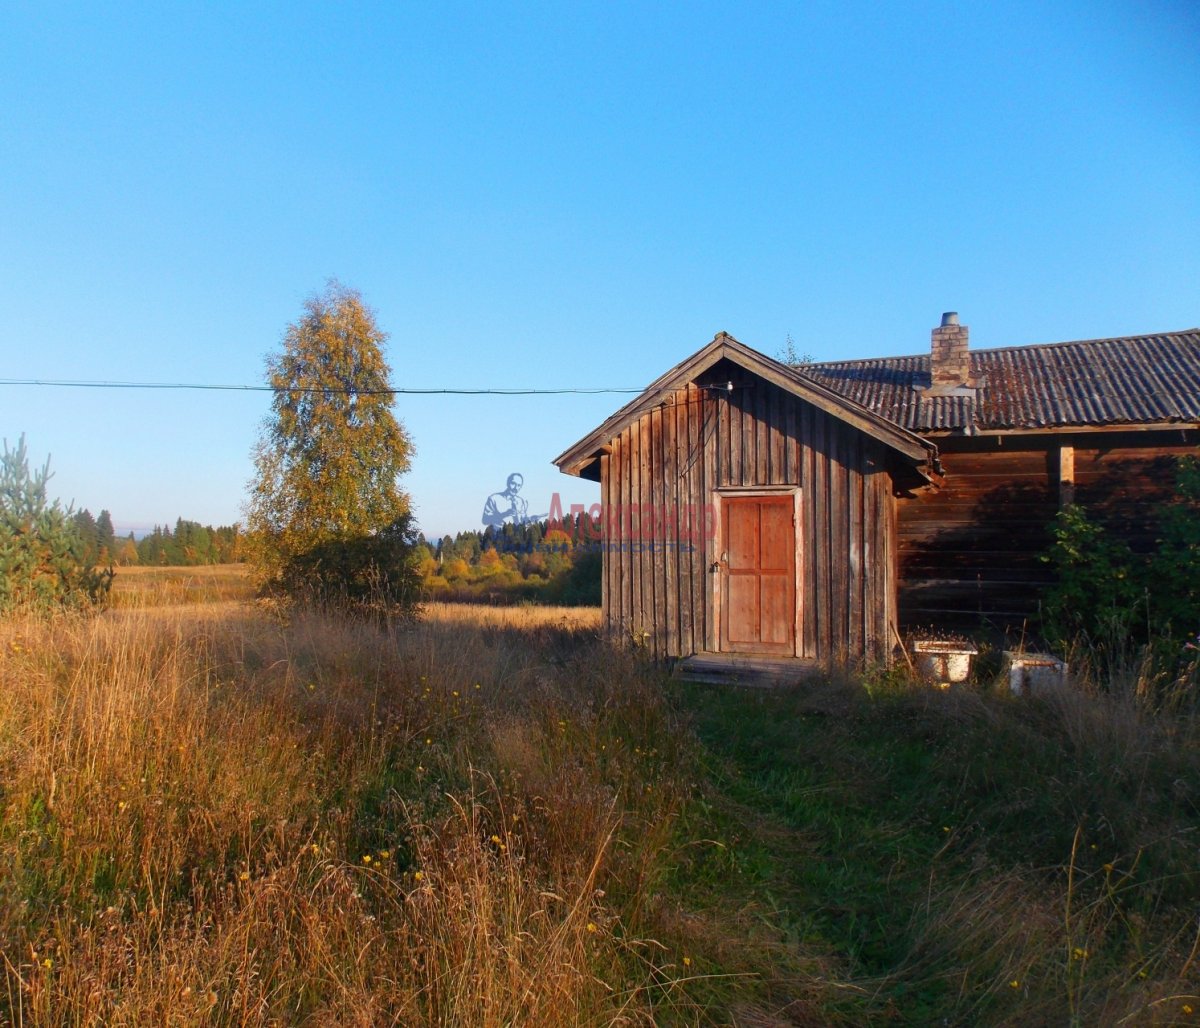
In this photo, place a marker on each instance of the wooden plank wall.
(970, 552)
(657, 484)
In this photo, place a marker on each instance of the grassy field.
(214, 814)
(141, 587)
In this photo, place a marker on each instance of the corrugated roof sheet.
(1133, 380)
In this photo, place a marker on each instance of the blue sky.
(548, 195)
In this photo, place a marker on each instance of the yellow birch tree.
(325, 512)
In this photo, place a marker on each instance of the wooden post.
(1066, 476)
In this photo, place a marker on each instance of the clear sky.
(546, 195)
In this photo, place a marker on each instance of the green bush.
(1174, 581)
(42, 564)
(1117, 607)
(1097, 582)
(365, 572)
(578, 585)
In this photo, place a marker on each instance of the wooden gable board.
(581, 457)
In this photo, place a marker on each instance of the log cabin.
(814, 513)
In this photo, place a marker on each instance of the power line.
(65, 383)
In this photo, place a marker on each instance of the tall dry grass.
(141, 587)
(240, 820)
(212, 813)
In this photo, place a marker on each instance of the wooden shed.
(748, 509)
(811, 512)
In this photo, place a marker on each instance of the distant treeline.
(189, 543)
(531, 562)
(534, 562)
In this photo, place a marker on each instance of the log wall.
(970, 551)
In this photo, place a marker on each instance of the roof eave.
(1061, 428)
(578, 458)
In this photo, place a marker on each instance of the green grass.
(922, 843)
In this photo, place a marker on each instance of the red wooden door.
(758, 572)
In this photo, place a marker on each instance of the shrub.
(1173, 568)
(1123, 613)
(375, 571)
(1096, 588)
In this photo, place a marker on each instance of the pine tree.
(106, 537)
(89, 539)
(42, 559)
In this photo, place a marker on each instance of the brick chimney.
(950, 362)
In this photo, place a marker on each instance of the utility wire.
(311, 389)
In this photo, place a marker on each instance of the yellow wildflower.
(366, 858)
(591, 927)
(417, 876)
(1014, 984)
(244, 876)
(687, 961)
(384, 854)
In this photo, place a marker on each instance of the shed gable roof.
(579, 458)
(1150, 379)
